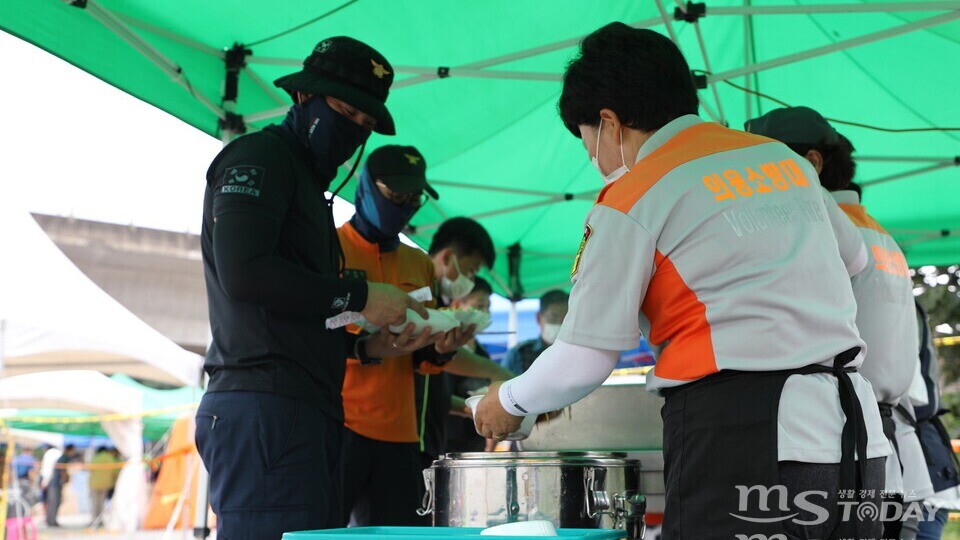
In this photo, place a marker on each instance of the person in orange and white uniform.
(380, 455)
(886, 314)
(720, 247)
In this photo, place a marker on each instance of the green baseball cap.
(402, 168)
(349, 70)
(794, 125)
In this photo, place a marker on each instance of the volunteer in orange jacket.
(381, 467)
(886, 313)
(718, 246)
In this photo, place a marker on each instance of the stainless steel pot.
(599, 423)
(570, 489)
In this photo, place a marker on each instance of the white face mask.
(617, 173)
(457, 288)
(549, 333)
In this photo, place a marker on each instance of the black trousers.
(273, 463)
(382, 482)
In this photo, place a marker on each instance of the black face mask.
(331, 137)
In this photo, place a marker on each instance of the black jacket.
(271, 262)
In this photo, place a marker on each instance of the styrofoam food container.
(522, 528)
(472, 316)
(438, 322)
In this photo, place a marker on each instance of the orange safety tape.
(154, 462)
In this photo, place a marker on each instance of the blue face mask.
(331, 137)
(378, 219)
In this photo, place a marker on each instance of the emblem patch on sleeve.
(244, 179)
(353, 273)
(587, 231)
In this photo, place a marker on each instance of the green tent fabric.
(154, 427)
(489, 130)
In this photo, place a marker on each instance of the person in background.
(553, 308)
(53, 492)
(270, 423)
(380, 459)
(103, 478)
(461, 434)
(941, 461)
(459, 249)
(25, 467)
(25, 464)
(48, 466)
(720, 248)
(886, 312)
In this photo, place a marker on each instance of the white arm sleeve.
(849, 240)
(565, 373)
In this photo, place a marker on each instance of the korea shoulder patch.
(587, 231)
(243, 179)
(353, 273)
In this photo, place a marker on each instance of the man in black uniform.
(269, 426)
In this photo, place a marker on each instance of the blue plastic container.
(440, 533)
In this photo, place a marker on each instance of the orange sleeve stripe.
(679, 319)
(859, 216)
(692, 143)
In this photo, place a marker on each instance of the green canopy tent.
(477, 85)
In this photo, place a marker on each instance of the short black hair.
(549, 298)
(839, 168)
(69, 447)
(481, 285)
(855, 187)
(466, 237)
(637, 73)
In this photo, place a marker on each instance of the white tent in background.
(93, 392)
(52, 316)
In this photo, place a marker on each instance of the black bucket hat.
(401, 168)
(349, 70)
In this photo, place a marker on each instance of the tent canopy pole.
(907, 174)
(115, 25)
(835, 47)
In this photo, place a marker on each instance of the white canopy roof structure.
(80, 390)
(52, 316)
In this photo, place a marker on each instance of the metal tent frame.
(237, 62)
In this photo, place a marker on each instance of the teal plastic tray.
(439, 533)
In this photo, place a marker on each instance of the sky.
(75, 146)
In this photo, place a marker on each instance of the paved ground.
(74, 529)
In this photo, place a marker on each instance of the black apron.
(726, 436)
(892, 529)
(941, 433)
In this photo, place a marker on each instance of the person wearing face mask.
(461, 435)
(381, 466)
(269, 426)
(886, 312)
(720, 247)
(553, 308)
(459, 249)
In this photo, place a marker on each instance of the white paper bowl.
(438, 322)
(522, 528)
(525, 428)
(472, 316)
